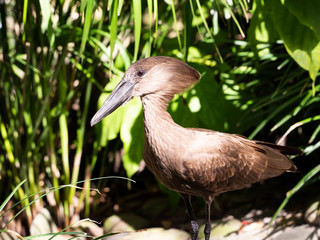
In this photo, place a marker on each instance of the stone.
(152, 234)
(298, 233)
(8, 235)
(312, 214)
(43, 224)
(124, 222)
(89, 227)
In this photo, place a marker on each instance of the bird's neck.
(160, 129)
(155, 113)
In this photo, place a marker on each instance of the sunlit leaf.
(216, 112)
(307, 13)
(302, 43)
(111, 124)
(261, 29)
(132, 136)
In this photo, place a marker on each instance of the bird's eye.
(140, 73)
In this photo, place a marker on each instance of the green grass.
(58, 57)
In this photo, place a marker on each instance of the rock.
(312, 215)
(298, 233)
(273, 233)
(8, 235)
(42, 224)
(152, 234)
(124, 222)
(87, 227)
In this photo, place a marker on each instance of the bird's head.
(163, 76)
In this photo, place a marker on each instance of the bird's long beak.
(119, 96)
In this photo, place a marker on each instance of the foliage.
(56, 56)
(295, 24)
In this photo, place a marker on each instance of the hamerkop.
(191, 161)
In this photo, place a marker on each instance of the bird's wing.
(222, 162)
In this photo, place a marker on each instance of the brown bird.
(191, 161)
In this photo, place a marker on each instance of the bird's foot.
(194, 230)
(207, 231)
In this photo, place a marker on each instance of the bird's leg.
(193, 221)
(207, 228)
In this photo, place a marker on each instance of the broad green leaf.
(181, 112)
(307, 13)
(132, 136)
(300, 41)
(110, 126)
(261, 29)
(216, 102)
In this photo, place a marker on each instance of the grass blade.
(176, 23)
(53, 189)
(86, 27)
(137, 16)
(113, 29)
(208, 29)
(80, 138)
(11, 194)
(296, 188)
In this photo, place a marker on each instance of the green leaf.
(110, 125)
(300, 41)
(132, 136)
(181, 112)
(261, 29)
(216, 102)
(307, 13)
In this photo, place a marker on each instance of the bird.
(191, 161)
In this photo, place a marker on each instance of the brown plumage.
(191, 161)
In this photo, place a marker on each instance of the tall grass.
(57, 56)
